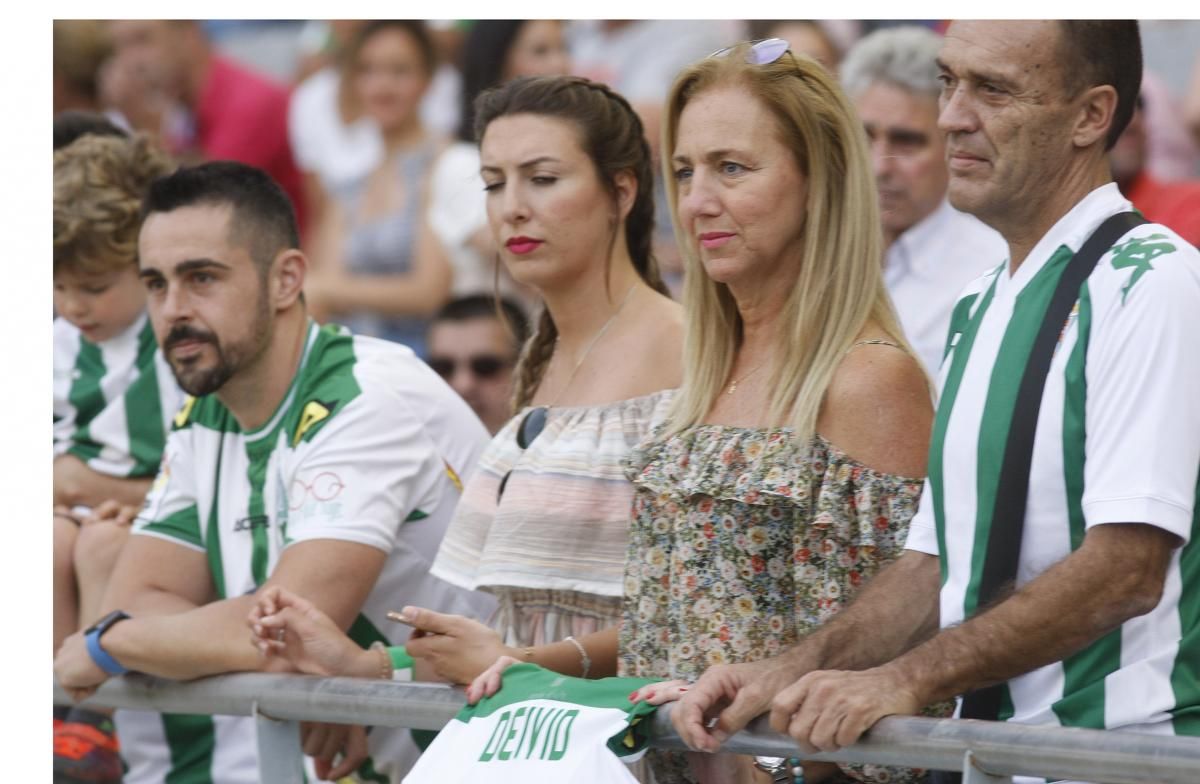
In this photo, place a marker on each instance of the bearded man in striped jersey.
(306, 457)
(1101, 626)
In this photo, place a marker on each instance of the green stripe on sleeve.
(183, 525)
(967, 326)
(82, 445)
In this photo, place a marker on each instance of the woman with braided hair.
(543, 521)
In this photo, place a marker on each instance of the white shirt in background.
(338, 153)
(928, 266)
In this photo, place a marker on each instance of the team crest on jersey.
(314, 412)
(1072, 317)
(1137, 253)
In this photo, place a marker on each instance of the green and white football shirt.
(1117, 441)
(114, 400)
(368, 446)
(541, 726)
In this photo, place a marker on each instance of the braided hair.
(611, 134)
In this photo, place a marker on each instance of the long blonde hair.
(840, 284)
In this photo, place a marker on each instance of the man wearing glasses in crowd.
(474, 350)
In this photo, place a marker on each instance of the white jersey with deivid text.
(542, 726)
(368, 446)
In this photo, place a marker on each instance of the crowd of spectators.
(701, 284)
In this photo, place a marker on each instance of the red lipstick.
(522, 245)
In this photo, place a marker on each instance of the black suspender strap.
(1012, 491)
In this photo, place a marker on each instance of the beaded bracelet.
(385, 660)
(586, 661)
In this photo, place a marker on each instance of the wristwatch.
(783, 770)
(92, 637)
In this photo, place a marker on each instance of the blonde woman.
(791, 460)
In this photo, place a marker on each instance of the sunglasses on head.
(481, 365)
(761, 52)
(530, 428)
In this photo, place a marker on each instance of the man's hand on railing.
(337, 749)
(291, 631)
(831, 709)
(75, 669)
(730, 694)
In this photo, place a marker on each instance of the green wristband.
(402, 663)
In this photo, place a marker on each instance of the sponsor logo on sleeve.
(316, 496)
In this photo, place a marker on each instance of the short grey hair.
(904, 56)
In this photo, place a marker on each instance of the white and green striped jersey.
(367, 446)
(114, 400)
(541, 726)
(1117, 441)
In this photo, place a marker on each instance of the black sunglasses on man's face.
(481, 365)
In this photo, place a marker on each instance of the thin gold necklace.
(591, 344)
(733, 385)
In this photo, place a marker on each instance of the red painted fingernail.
(632, 694)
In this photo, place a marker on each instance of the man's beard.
(199, 381)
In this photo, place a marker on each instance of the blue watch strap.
(100, 656)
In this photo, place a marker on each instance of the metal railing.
(986, 752)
